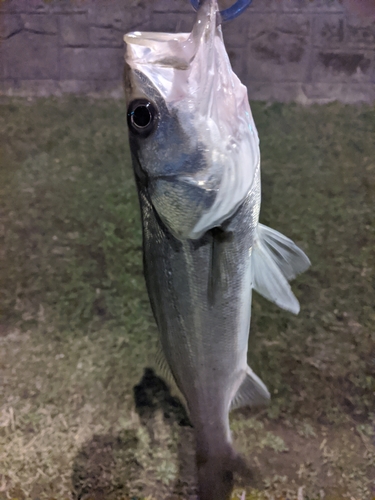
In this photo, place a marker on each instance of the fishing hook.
(231, 12)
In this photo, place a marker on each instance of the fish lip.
(140, 37)
(164, 177)
(180, 178)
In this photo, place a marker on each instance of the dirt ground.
(82, 414)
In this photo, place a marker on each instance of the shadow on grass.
(94, 471)
(153, 394)
(106, 463)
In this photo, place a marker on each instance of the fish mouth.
(173, 50)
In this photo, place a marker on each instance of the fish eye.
(142, 117)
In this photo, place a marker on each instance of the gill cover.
(193, 75)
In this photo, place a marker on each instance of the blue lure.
(231, 12)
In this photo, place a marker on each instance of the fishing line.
(231, 12)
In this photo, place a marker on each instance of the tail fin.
(216, 473)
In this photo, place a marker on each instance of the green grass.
(76, 330)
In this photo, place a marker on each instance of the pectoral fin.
(252, 392)
(275, 261)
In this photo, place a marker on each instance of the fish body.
(195, 153)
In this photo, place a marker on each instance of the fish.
(196, 160)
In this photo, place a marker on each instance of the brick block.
(264, 6)
(10, 24)
(329, 30)
(43, 88)
(290, 24)
(69, 6)
(361, 32)
(110, 14)
(113, 14)
(278, 47)
(172, 22)
(235, 33)
(74, 30)
(106, 37)
(95, 88)
(349, 93)
(137, 18)
(272, 91)
(26, 88)
(17, 6)
(92, 63)
(236, 58)
(31, 56)
(318, 6)
(334, 66)
(363, 8)
(2, 61)
(43, 6)
(108, 17)
(172, 6)
(40, 23)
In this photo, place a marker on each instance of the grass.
(79, 416)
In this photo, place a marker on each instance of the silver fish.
(196, 158)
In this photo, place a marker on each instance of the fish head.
(193, 139)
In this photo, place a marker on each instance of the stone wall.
(303, 50)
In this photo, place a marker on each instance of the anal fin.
(252, 392)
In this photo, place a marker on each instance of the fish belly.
(200, 292)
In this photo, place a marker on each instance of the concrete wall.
(309, 51)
